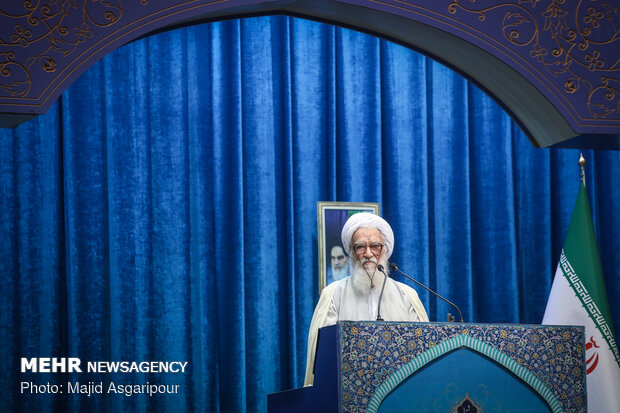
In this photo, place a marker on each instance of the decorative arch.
(554, 66)
(452, 344)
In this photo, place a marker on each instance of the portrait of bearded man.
(339, 267)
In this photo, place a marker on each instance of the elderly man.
(369, 241)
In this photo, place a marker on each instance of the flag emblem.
(591, 355)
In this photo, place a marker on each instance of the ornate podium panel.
(390, 367)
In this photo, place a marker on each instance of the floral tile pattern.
(372, 351)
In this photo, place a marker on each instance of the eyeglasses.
(360, 247)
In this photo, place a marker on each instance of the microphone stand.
(380, 268)
(450, 317)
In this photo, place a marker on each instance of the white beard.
(338, 274)
(360, 277)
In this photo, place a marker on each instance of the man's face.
(368, 247)
(339, 259)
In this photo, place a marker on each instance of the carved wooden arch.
(554, 65)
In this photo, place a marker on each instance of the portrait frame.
(331, 219)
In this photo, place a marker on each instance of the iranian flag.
(578, 297)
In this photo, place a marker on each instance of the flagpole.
(582, 164)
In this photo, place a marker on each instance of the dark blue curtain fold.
(165, 207)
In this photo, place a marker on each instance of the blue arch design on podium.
(453, 344)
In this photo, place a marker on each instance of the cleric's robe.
(341, 300)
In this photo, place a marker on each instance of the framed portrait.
(334, 261)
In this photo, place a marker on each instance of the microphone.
(380, 268)
(450, 317)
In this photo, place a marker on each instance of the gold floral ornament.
(604, 100)
(48, 64)
(519, 29)
(572, 41)
(50, 32)
(538, 53)
(15, 79)
(83, 32)
(571, 85)
(594, 61)
(21, 36)
(593, 17)
(555, 17)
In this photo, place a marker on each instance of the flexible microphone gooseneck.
(395, 268)
(380, 268)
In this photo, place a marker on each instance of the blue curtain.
(165, 207)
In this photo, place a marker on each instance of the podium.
(379, 367)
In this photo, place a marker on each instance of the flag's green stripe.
(581, 251)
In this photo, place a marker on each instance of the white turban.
(367, 220)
